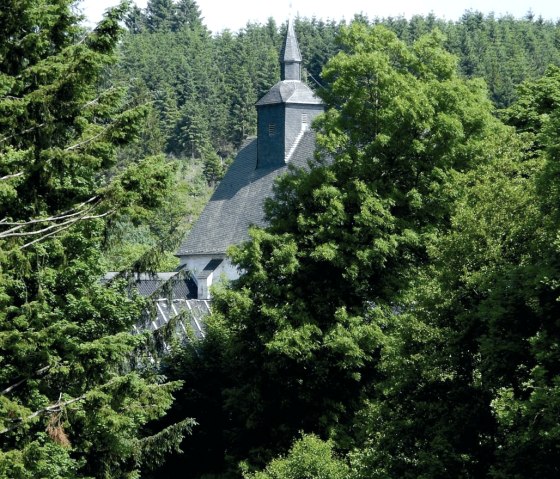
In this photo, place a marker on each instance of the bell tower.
(285, 113)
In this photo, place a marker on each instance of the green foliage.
(70, 406)
(504, 51)
(216, 80)
(309, 458)
(402, 303)
(214, 167)
(42, 458)
(472, 371)
(313, 306)
(164, 15)
(146, 239)
(159, 15)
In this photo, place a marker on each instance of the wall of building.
(296, 124)
(290, 71)
(204, 279)
(270, 149)
(196, 263)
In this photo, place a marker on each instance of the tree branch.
(13, 231)
(53, 408)
(65, 226)
(85, 142)
(15, 175)
(9, 137)
(19, 383)
(63, 215)
(96, 100)
(72, 213)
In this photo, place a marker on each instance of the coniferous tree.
(136, 21)
(187, 14)
(70, 405)
(160, 15)
(393, 273)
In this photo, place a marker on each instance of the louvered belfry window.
(271, 129)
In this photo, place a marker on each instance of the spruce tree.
(70, 404)
(160, 15)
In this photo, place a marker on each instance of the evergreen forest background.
(399, 317)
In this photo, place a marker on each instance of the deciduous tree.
(308, 319)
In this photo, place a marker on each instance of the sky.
(235, 14)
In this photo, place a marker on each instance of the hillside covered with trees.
(397, 319)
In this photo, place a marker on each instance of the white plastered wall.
(196, 264)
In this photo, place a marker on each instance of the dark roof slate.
(290, 49)
(290, 91)
(238, 201)
(160, 285)
(213, 264)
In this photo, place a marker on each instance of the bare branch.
(12, 232)
(64, 215)
(9, 137)
(96, 100)
(66, 226)
(19, 383)
(53, 408)
(44, 220)
(15, 175)
(85, 142)
(59, 223)
(46, 236)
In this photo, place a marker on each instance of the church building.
(284, 137)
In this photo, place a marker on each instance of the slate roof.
(238, 201)
(161, 285)
(290, 49)
(290, 91)
(212, 265)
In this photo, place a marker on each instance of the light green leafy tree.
(309, 458)
(472, 371)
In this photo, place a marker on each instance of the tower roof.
(290, 91)
(290, 49)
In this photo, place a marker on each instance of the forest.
(398, 318)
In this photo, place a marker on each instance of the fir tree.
(70, 405)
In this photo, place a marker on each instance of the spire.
(290, 56)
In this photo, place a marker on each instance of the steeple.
(286, 111)
(290, 56)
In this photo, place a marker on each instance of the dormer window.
(271, 129)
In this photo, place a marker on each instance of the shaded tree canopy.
(401, 305)
(398, 317)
